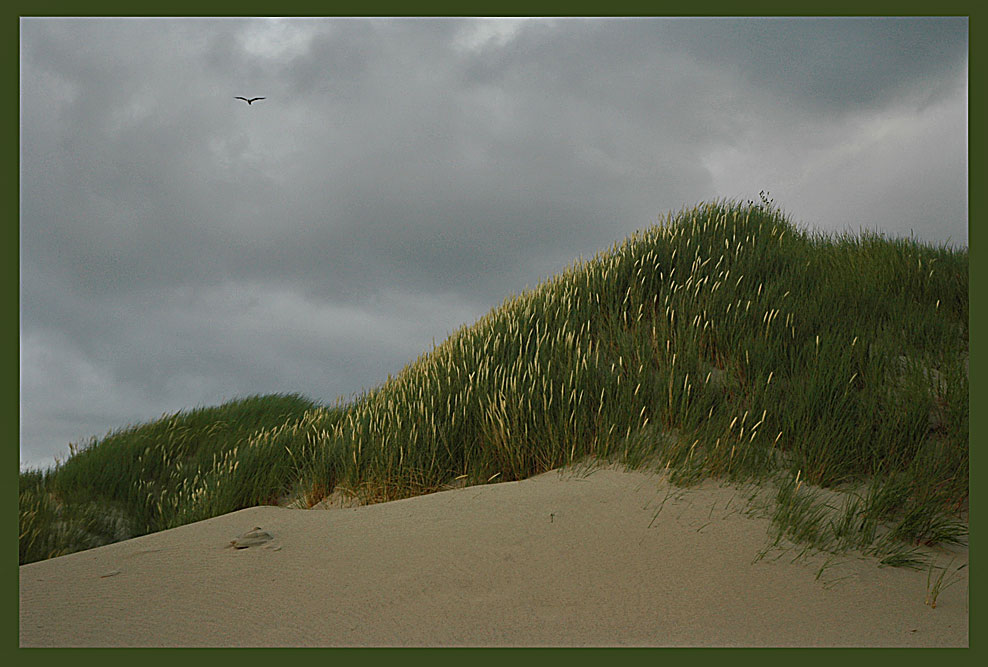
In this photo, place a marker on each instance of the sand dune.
(562, 559)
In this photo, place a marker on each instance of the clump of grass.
(184, 467)
(884, 522)
(938, 583)
(723, 341)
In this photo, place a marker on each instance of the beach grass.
(725, 342)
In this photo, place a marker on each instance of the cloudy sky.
(179, 248)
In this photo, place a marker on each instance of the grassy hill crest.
(724, 341)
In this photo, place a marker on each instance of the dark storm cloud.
(179, 247)
(828, 65)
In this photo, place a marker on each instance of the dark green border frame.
(10, 363)
(502, 8)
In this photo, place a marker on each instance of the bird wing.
(258, 98)
(242, 98)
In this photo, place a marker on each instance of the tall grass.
(723, 341)
(184, 467)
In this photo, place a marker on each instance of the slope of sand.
(610, 558)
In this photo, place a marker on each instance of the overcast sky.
(179, 248)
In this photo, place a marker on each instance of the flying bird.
(253, 99)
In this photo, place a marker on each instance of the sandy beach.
(568, 558)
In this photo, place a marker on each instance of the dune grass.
(182, 468)
(723, 342)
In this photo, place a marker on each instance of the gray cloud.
(179, 248)
(832, 65)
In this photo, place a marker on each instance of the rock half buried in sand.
(252, 538)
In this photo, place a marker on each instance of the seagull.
(253, 99)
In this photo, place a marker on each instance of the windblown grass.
(722, 342)
(182, 468)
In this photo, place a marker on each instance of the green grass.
(182, 468)
(723, 342)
